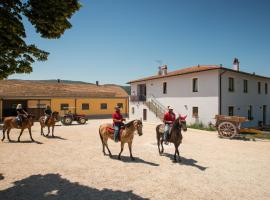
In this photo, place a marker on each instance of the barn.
(92, 100)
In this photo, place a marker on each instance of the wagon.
(229, 126)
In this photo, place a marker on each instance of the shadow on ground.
(54, 187)
(186, 161)
(1, 177)
(127, 159)
(24, 142)
(55, 137)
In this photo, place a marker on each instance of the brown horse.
(50, 123)
(126, 136)
(11, 122)
(175, 135)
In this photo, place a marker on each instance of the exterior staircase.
(156, 107)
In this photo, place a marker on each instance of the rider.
(21, 113)
(168, 119)
(48, 113)
(117, 122)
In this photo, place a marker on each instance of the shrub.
(201, 126)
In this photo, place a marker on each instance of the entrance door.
(264, 114)
(141, 92)
(144, 114)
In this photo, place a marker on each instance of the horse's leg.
(8, 131)
(162, 148)
(20, 134)
(41, 130)
(4, 130)
(30, 133)
(52, 130)
(122, 148)
(106, 144)
(48, 130)
(158, 143)
(130, 150)
(177, 151)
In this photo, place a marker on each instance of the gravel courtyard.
(72, 166)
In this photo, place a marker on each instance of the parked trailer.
(229, 126)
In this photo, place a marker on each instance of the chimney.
(165, 70)
(97, 83)
(58, 80)
(236, 63)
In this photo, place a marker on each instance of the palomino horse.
(126, 136)
(50, 123)
(175, 135)
(11, 122)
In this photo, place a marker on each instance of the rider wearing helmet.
(48, 114)
(21, 114)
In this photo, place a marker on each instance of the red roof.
(188, 70)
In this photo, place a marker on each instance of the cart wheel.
(82, 120)
(227, 129)
(67, 121)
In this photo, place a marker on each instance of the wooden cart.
(229, 126)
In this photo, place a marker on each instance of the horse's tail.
(99, 131)
(157, 132)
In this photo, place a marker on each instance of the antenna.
(160, 62)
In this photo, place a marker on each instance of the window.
(120, 105)
(85, 106)
(64, 106)
(165, 88)
(195, 85)
(195, 112)
(103, 106)
(230, 110)
(231, 84)
(250, 113)
(266, 88)
(133, 110)
(245, 86)
(259, 87)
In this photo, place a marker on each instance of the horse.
(175, 135)
(11, 122)
(50, 123)
(106, 131)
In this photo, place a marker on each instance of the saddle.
(111, 131)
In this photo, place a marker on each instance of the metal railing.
(156, 107)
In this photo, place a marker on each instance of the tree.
(50, 19)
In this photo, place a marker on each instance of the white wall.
(138, 113)
(182, 99)
(241, 100)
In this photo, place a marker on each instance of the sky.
(115, 41)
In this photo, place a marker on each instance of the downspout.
(220, 92)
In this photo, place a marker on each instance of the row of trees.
(50, 19)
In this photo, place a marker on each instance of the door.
(144, 114)
(141, 92)
(264, 114)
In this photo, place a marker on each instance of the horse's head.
(182, 122)
(138, 126)
(55, 115)
(31, 119)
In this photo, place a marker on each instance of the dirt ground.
(72, 166)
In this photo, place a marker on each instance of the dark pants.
(117, 128)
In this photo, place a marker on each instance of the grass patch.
(201, 126)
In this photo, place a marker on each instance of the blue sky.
(115, 41)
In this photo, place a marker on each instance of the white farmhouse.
(201, 92)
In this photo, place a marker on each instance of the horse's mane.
(127, 125)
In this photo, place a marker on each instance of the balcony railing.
(134, 98)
